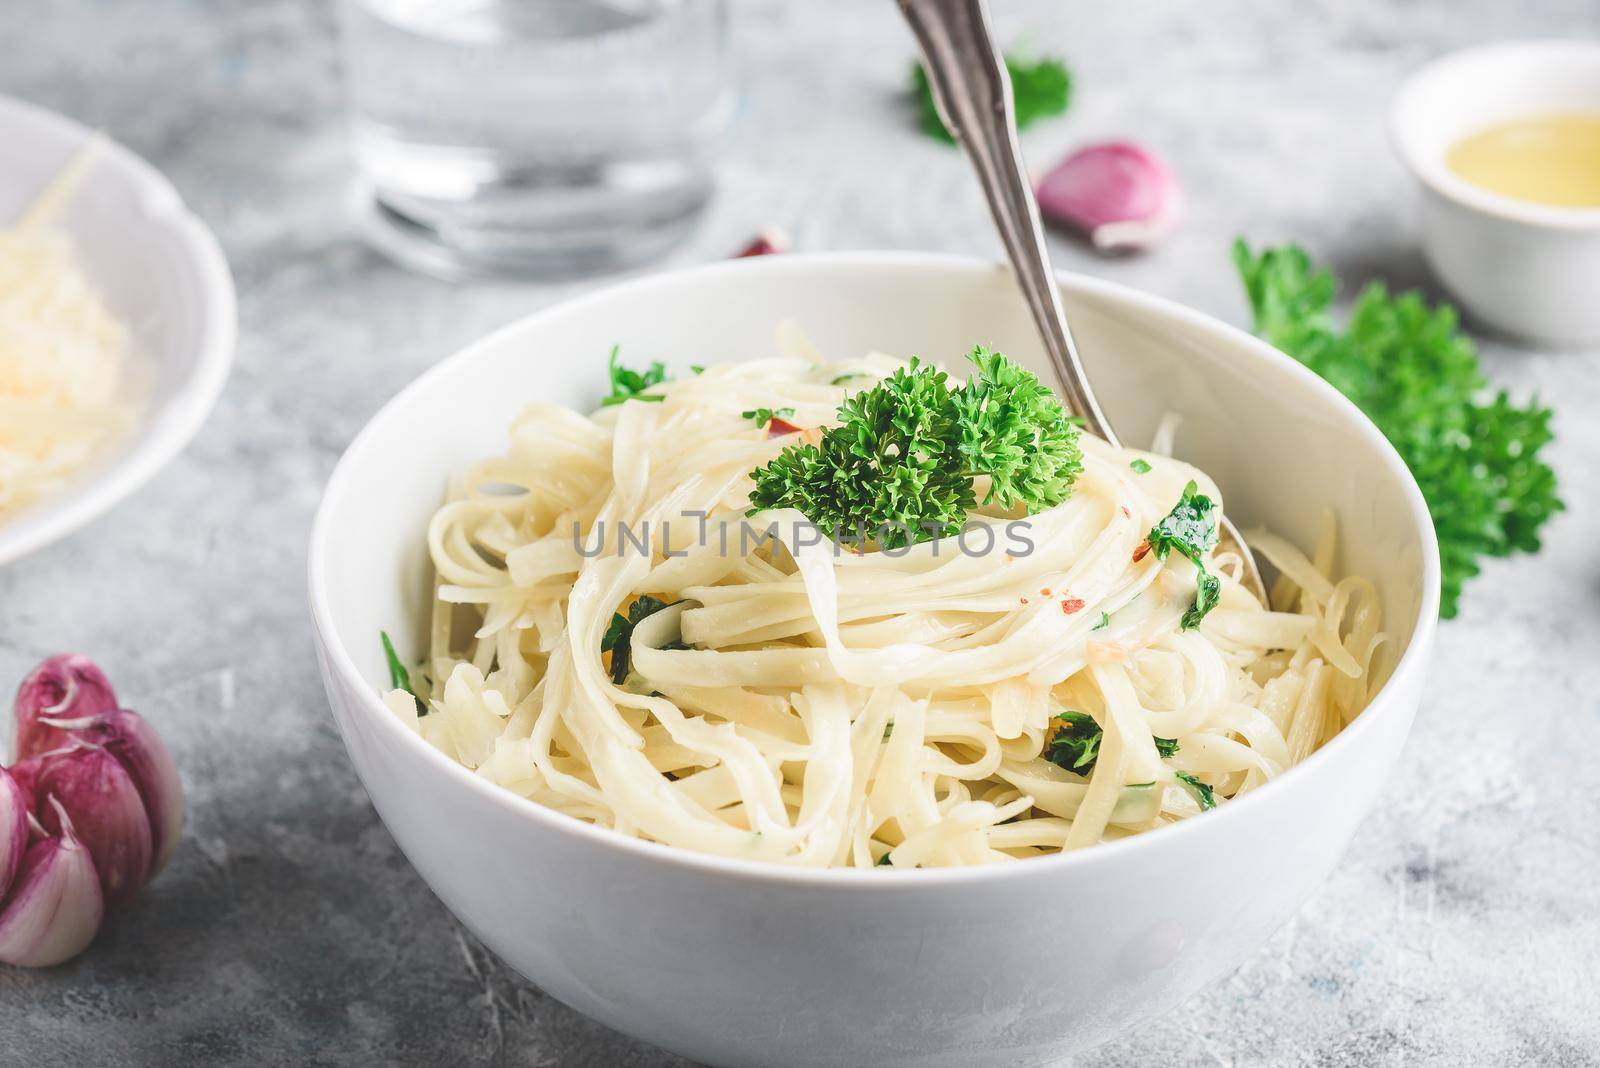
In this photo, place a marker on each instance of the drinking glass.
(534, 136)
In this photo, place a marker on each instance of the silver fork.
(973, 93)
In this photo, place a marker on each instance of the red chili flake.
(1071, 605)
(777, 428)
(1142, 551)
(1125, 513)
(1024, 600)
(1045, 592)
(765, 244)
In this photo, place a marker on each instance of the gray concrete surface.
(1464, 925)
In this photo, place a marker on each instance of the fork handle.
(972, 91)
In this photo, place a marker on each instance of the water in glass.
(534, 136)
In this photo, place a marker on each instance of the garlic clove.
(765, 243)
(68, 686)
(98, 793)
(13, 828)
(25, 773)
(1119, 194)
(134, 742)
(55, 906)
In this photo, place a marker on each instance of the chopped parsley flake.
(1203, 795)
(619, 635)
(399, 677)
(1075, 746)
(1191, 529)
(763, 416)
(627, 385)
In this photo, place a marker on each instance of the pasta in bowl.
(785, 684)
(734, 952)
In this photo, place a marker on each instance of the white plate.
(160, 270)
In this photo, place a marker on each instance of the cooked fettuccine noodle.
(803, 705)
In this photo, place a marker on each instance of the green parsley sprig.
(899, 468)
(1191, 529)
(1039, 88)
(1407, 365)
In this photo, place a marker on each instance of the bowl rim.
(339, 662)
(1430, 168)
(152, 442)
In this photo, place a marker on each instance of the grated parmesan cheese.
(61, 355)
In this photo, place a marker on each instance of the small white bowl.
(1530, 270)
(733, 962)
(160, 270)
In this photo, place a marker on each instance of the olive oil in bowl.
(1547, 159)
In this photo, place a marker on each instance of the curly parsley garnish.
(1191, 529)
(1013, 429)
(1407, 365)
(627, 384)
(900, 466)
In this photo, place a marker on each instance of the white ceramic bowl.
(160, 269)
(1530, 270)
(739, 963)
